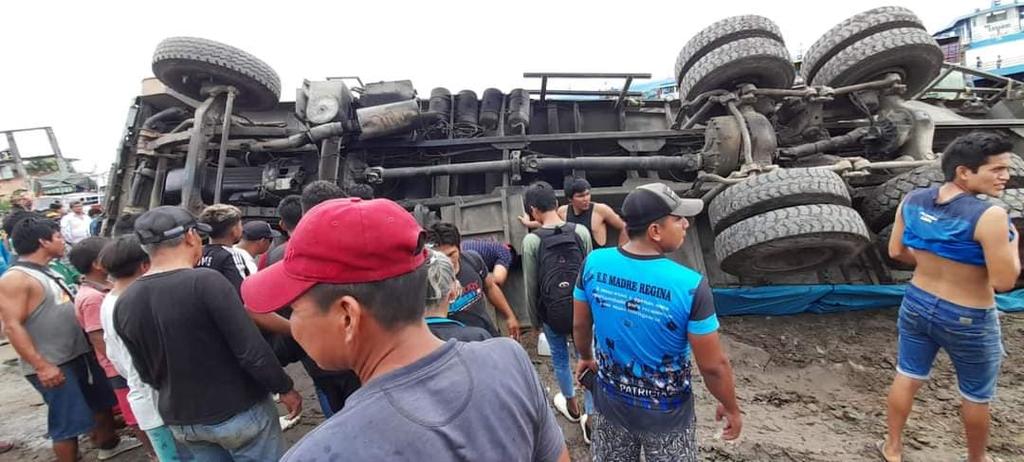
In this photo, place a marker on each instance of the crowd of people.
(75, 225)
(183, 324)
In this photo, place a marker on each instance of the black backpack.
(559, 260)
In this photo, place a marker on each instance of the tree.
(38, 167)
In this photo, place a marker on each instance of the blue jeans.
(970, 336)
(251, 435)
(325, 402)
(559, 345)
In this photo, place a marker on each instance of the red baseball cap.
(341, 241)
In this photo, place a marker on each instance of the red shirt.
(87, 309)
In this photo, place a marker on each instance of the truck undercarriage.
(801, 170)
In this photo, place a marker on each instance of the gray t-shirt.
(462, 402)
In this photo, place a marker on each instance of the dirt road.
(812, 388)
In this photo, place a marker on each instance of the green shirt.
(66, 271)
(531, 244)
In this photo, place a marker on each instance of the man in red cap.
(355, 275)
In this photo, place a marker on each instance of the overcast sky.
(76, 66)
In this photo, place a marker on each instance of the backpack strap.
(433, 320)
(476, 262)
(569, 227)
(45, 271)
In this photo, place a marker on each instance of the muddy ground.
(812, 388)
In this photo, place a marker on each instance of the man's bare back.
(961, 283)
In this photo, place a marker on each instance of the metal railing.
(1005, 85)
(998, 63)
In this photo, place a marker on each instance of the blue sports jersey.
(643, 308)
(945, 229)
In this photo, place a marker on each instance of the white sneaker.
(287, 423)
(127, 443)
(562, 406)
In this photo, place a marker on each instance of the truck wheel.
(721, 32)
(882, 243)
(853, 29)
(1013, 201)
(879, 208)
(1016, 173)
(185, 64)
(775, 190)
(907, 51)
(790, 240)
(757, 60)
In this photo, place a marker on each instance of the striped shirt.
(493, 252)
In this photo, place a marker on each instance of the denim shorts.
(71, 406)
(970, 336)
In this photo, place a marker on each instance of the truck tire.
(1016, 173)
(791, 240)
(775, 190)
(879, 208)
(757, 60)
(882, 243)
(853, 29)
(1012, 201)
(908, 51)
(722, 32)
(186, 63)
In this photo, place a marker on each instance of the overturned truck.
(801, 169)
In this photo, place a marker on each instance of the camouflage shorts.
(613, 442)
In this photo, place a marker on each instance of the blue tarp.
(793, 299)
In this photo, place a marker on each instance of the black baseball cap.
(651, 202)
(167, 222)
(259, 229)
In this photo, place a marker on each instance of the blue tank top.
(944, 229)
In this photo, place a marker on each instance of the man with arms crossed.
(964, 250)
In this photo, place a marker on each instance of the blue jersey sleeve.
(578, 292)
(703, 319)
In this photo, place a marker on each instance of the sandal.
(880, 446)
(562, 406)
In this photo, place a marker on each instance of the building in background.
(990, 40)
(49, 175)
(664, 89)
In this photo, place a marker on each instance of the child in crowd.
(84, 257)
